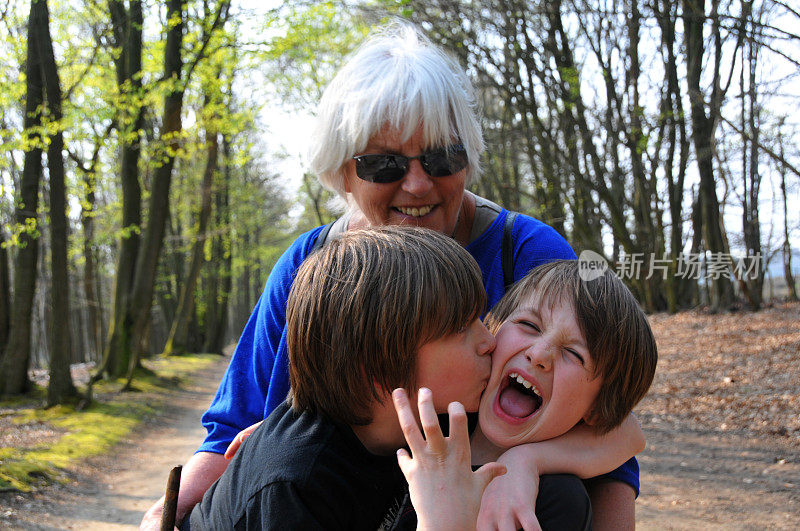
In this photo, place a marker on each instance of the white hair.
(396, 78)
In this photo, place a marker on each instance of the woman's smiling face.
(417, 199)
(542, 381)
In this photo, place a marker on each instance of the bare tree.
(752, 286)
(705, 114)
(787, 247)
(679, 290)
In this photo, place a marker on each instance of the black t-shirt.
(302, 471)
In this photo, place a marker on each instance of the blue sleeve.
(535, 244)
(627, 473)
(257, 378)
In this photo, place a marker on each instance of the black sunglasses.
(391, 168)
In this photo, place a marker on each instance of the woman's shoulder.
(282, 274)
(528, 234)
(300, 248)
(534, 236)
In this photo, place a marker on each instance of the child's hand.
(233, 447)
(444, 490)
(510, 502)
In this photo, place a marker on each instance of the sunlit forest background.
(143, 202)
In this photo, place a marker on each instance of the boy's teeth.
(525, 383)
(416, 211)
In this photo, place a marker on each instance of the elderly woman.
(399, 140)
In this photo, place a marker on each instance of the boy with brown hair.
(612, 346)
(573, 355)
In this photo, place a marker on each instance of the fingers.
(488, 472)
(459, 432)
(509, 519)
(407, 421)
(233, 447)
(430, 422)
(405, 462)
(506, 524)
(529, 522)
(434, 441)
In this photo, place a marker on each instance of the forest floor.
(722, 422)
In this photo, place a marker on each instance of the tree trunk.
(90, 277)
(5, 297)
(158, 207)
(679, 289)
(14, 373)
(216, 321)
(648, 238)
(720, 289)
(127, 26)
(787, 247)
(243, 305)
(171, 272)
(60, 387)
(754, 282)
(176, 343)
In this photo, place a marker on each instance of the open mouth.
(519, 398)
(415, 212)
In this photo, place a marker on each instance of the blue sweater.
(257, 378)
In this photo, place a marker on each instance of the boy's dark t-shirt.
(302, 471)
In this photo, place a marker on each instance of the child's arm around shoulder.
(581, 452)
(584, 453)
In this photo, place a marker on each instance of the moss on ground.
(95, 430)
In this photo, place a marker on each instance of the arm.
(580, 452)
(203, 469)
(257, 378)
(613, 506)
(613, 501)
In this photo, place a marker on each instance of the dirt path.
(112, 492)
(699, 480)
(722, 421)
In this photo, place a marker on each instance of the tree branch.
(89, 64)
(774, 156)
(219, 19)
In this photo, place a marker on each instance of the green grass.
(110, 418)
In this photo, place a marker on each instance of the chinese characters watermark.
(694, 266)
